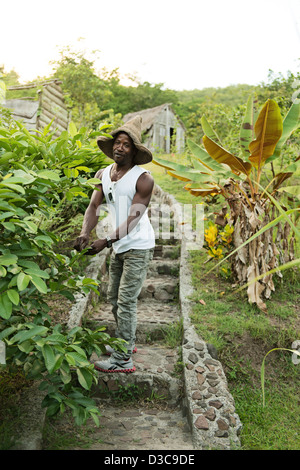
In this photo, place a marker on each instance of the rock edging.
(209, 405)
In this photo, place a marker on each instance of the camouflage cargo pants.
(127, 273)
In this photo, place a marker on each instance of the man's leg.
(135, 267)
(115, 273)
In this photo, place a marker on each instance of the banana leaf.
(247, 127)
(181, 172)
(178, 176)
(201, 175)
(188, 175)
(221, 155)
(196, 177)
(293, 190)
(290, 124)
(222, 173)
(203, 156)
(208, 130)
(200, 167)
(169, 165)
(280, 178)
(205, 190)
(268, 130)
(293, 169)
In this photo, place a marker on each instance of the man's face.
(124, 150)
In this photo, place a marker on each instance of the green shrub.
(38, 174)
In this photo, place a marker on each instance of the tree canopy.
(96, 96)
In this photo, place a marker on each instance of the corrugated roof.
(149, 115)
(23, 109)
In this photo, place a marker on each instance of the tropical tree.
(252, 189)
(85, 92)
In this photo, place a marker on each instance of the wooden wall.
(38, 113)
(52, 106)
(164, 126)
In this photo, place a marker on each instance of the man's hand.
(81, 242)
(97, 246)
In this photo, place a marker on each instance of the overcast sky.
(184, 44)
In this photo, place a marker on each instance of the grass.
(242, 335)
(169, 184)
(173, 334)
(275, 427)
(61, 433)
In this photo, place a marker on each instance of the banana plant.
(238, 179)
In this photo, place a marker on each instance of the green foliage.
(143, 96)
(90, 94)
(60, 361)
(85, 92)
(38, 174)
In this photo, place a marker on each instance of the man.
(127, 189)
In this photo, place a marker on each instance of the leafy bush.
(38, 174)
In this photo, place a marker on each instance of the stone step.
(157, 377)
(160, 266)
(157, 286)
(160, 210)
(152, 318)
(155, 374)
(157, 420)
(141, 428)
(167, 238)
(167, 251)
(164, 221)
(163, 288)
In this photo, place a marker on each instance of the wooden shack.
(38, 111)
(162, 130)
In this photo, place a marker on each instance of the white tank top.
(140, 237)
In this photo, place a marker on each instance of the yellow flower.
(226, 235)
(216, 253)
(210, 235)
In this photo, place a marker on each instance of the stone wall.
(208, 402)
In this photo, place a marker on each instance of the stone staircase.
(186, 401)
(159, 423)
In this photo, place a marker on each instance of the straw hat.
(133, 128)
